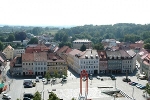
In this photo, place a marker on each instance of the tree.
(147, 46)
(33, 41)
(83, 48)
(53, 96)
(1, 46)
(73, 99)
(47, 75)
(147, 89)
(20, 36)
(11, 38)
(37, 30)
(99, 46)
(37, 96)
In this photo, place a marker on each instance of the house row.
(102, 62)
(38, 60)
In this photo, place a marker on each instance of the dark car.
(113, 77)
(134, 83)
(28, 85)
(29, 95)
(26, 98)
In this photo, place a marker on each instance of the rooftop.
(82, 40)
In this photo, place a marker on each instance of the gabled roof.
(64, 49)
(131, 53)
(136, 45)
(124, 53)
(27, 57)
(74, 52)
(37, 48)
(40, 56)
(54, 57)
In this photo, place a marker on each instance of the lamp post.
(114, 95)
(91, 78)
(43, 88)
(9, 85)
(133, 93)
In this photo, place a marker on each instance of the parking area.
(71, 88)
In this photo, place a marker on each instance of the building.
(18, 52)
(127, 63)
(114, 62)
(87, 60)
(2, 59)
(8, 51)
(40, 63)
(71, 56)
(36, 48)
(16, 66)
(145, 65)
(78, 43)
(28, 64)
(55, 64)
(109, 42)
(63, 52)
(102, 62)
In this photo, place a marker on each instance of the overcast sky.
(74, 12)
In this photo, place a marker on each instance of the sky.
(73, 12)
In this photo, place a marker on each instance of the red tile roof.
(53, 57)
(38, 48)
(64, 49)
(27, 57)
(40, 56)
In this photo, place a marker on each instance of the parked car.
(113, 77)
(130, 83)
(29, 95)
(26, 98)
(37, 79)
(138, 85)
(28, 85)
(142, 87)
(6, 96)
(134, 83)
(98, 77)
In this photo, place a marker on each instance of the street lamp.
(114, 95)
(91, 78)
(9, 85)
(43, 87)
(133, 93)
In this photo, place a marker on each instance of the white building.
(78, 43)
(18, 52)
(87, 60)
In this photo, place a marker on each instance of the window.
(29, 63)
(41, 68)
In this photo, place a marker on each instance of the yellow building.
(55, 64)
(71, 58)
(8, 51)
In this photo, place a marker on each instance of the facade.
(87, 60)
(71, 56)
(2, 59)
(18, 52)
(126, 62)
(28, 64)
(78, 43)
(109, 42)
(55, 64)
(8, 51)
(40, 63)
(16, 66)
(114, 62)
(133, 58)
(102, 62)
(146, 65)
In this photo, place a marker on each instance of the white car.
(6, 96)
(98, 77)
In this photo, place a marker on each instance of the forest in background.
(123, 32)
